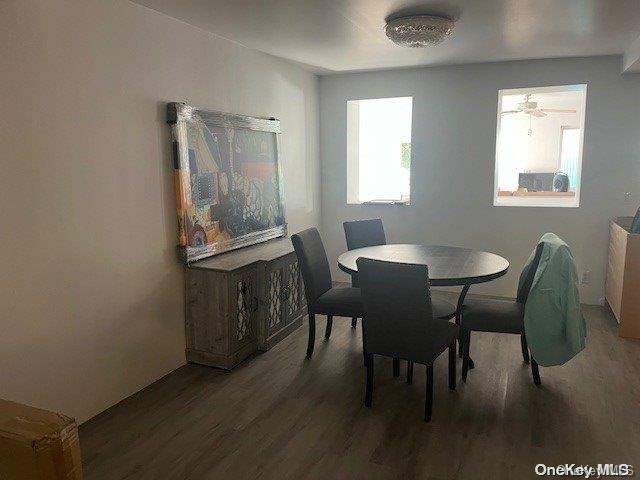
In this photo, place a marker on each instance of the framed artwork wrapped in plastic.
(228, 180)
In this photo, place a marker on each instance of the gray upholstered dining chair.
(364, 233)
(501, 316)
(370, 233)
(398, 321)
(360, 234)
(322, 297)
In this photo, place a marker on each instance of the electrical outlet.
(586, 277)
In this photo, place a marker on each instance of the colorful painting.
(227, 180)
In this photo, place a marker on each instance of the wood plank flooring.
(279, 416)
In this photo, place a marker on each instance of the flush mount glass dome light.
(419, 30)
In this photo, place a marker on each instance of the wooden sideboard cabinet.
(242, 301)
(623, 277)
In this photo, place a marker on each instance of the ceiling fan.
(531, 108)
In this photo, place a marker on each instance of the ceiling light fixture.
(419, 30)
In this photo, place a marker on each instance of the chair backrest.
(398, 319)
(312, 259)
(364, 233)
(529, 273)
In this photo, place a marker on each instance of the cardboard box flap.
(31, 424)
(37, 444)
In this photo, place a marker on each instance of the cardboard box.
(36, 444)
(623, 277)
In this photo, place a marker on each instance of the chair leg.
(396, 367)
(312, 334)
(327, 332)
(535, 372)
(428, 403)
(409, 372)
(364, 350)
(452, 366)
(466, 345)
(354, 322)
(525, 348)
(368, 396)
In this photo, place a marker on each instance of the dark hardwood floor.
(280, 416)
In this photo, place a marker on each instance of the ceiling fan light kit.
(417, 31)
(529, 107)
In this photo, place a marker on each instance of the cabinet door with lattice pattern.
(272, 297)
(294, 292)
(281, 300)
(244, 308)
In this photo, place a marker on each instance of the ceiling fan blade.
(538, 113)
(510, 111)
(555, 110)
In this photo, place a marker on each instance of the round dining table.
(448, 266)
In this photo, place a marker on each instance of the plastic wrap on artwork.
(228, 180)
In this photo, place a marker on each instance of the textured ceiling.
(341, 35)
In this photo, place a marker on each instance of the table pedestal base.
(461, 298)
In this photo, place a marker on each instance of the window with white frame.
(539, 146)
(379, 150)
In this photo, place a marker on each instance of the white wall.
(90, 286)
(540, 151)
(453, 146)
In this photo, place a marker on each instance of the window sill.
(503, 193)
(402, 203)
(536, 199)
